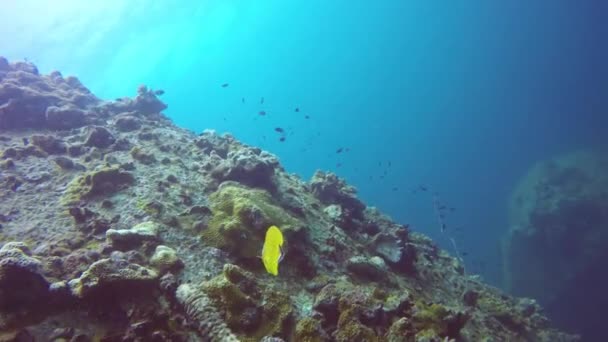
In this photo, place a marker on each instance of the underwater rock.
(209, 141)
(127, 123)
(112, 274)
(101, 182)
(26, 96)
(49, 144)
(556, 248)
(165, 258)
(66, 117)
(248, 166)
(99, 137)
(22, 286)
(387, 246)
(240, 218)
(145, 103)
(144, 231)
(373, 268)
(330, 189)
(142, 156)
(438, 321)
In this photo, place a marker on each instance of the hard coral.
(112, 274)
(248, 166)
(96, 183)
(249, 308)
(330, 189)
(240, 218)
(31, 100)
(201, 309)
(22, 285)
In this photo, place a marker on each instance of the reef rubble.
(116, 225)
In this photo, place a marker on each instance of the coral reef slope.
(117, 225)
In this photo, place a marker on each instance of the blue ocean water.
(457, 97)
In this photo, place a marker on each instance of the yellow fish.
(272, 252)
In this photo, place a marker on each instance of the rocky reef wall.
(116, 225)
(557, 246)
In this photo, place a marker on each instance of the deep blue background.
(459, 96)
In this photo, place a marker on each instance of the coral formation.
(117, 202)
(240, 218)
(111, 274)
(137, 234)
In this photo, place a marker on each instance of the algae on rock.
(240, 217)
(105, 181)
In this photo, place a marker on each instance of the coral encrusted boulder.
(557, 247)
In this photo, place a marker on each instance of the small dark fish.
(225, 85)
(243, 100)
(282, 139)
(442, 207)
(379, 163)
(159, 92)
(262, 113)
(395, 188)
(443, 227)
(338, 164)
(423, 188)
(306, 117)
(339, 150)
(389, 163)
(347, 149)
(262, 100)
(371, 177)
(26, 141)
(279, 130)
(464, 254)
(452, 209)
(442, 215)
(297, 110)
(381, 177)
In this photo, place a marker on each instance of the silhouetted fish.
(225, 85)
(339, 150)
(338, 164)
(159, 92)
(307, 117)
(243, 100)
(395, 188)
(262, 100)
(279, 129)
(262, 113)
(282, 139)
(297, 109)
(423, 188)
